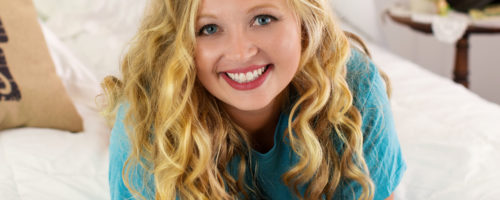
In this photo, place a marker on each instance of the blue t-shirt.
(380, 145)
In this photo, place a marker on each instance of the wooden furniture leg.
(461, 71)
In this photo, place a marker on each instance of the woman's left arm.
(381, 146)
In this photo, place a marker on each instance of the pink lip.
(246, 69)
(250, 85)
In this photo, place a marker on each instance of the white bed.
(450, 137)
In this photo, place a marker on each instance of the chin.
(249, 104)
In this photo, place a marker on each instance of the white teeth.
(246, 77)
(249, 76)
(242, 77)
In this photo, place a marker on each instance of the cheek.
(204, 60)
(285, 47)
(202, 57)
(289, 49)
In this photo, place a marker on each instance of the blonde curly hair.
(180, 135)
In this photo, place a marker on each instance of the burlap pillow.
(31, 93)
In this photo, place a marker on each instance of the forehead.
(238, 6)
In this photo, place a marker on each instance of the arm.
(381, 146)
(118, 153)
(390, 197)
(119, 150)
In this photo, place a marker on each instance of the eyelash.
(200, 32)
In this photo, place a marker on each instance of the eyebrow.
(260, 6)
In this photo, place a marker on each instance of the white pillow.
(96, 31)
(81, 85)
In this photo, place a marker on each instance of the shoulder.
(119, 149)
(363, 78)
(381, 146)
(119, 152)
(370, 97)
(119, 140)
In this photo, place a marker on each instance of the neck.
(259, 124)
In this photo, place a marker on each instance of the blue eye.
(208, 29)
(263, 20)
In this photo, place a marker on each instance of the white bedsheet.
(450, 137)
(51, 164)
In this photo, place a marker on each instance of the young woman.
(238, 99)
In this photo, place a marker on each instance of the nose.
(240, 46)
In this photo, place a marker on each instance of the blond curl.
(179, 133)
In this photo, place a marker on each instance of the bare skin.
(260, 124)
(236, 35)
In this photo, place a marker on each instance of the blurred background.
(367, 16)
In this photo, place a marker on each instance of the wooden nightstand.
(461, 69)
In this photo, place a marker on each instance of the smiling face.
(246, 52)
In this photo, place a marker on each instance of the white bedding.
(50, 164)
(450, 137)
